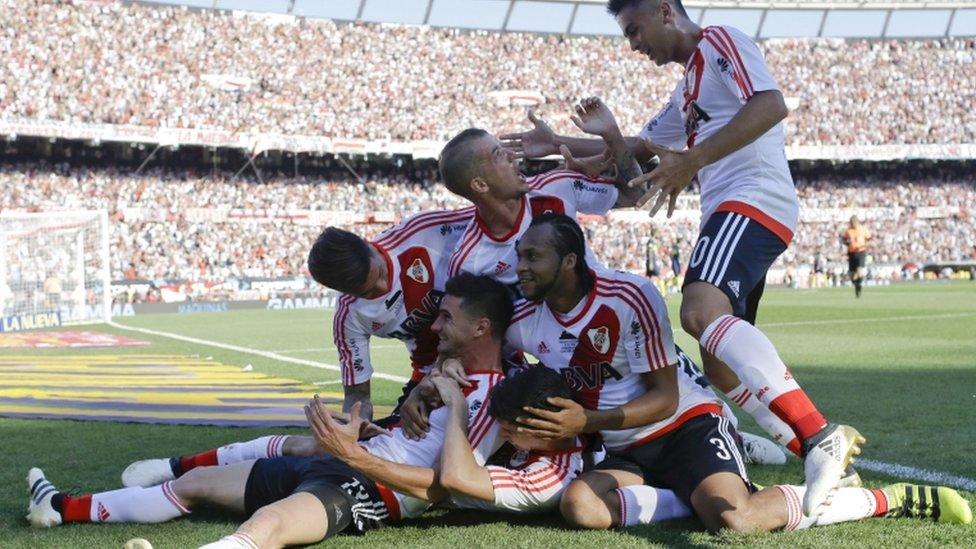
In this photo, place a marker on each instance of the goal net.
(54, 269)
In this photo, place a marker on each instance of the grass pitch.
(899, 364)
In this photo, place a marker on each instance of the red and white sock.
(646, 504)
(264, 447)
(753, 358)
(777, 429)
(843, 505)
(135, 504)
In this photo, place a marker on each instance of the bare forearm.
(582, 146)
(763, 111)
(358, 393)
(419, 482)
(659, 402)
(627, 169)
(460, 472)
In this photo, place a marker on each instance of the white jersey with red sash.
(416, 253)
(725, 70)
(619, 331)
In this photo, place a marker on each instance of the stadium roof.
(775, 19)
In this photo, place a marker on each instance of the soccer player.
(856, 239)
(361, 485)
(474, 166)
(726, 114)
(607, 333)
(390, 288)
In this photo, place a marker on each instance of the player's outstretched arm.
(342, 442)
(460, 473)
(594, 117)
(541, 141)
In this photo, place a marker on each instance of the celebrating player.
(474, 166)
(726, 113)
(607, 333)
(362, 485)
(856, 239)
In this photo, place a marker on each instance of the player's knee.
(583, 508)
(735, 520)
(301, 446)
(192, 487)
(693, 319)
(266, 523)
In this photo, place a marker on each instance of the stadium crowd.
(155, 234)
(118, 63)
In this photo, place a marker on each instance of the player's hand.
(594, 117)
(675, 172)
(538, 142)
(415, 410)
(590, 166)
(449, 390)
(453, 369)
(567, 422)
(340, 440)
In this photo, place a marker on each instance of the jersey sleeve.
(591, 195)
(648, 340)
(352, 343)
(738, 62)
(535, 488)
(666, 129)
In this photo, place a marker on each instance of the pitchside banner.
(32, 321)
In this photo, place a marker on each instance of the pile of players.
(614, 426)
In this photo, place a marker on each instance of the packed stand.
(170, 67)
(174, 244)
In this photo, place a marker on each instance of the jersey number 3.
(722, 452)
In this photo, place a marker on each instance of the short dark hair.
(483, 296)
(614, 7)
(339, 260)
(530, 387)
(567, 238)
(455, 163)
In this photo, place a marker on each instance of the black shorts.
(733, 253)
(855, 261)
(683, 458)
(350, 491)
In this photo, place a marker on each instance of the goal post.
(54, 269)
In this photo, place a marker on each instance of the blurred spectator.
(115, 63)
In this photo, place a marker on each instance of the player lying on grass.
(723, 129)
(608, 333)
(294, 500)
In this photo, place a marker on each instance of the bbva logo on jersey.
(418, 271)
(600, 337)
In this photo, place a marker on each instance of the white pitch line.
(914, 473)
(861, 320)
(247, 350)
(332, 348)
(893, 469)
